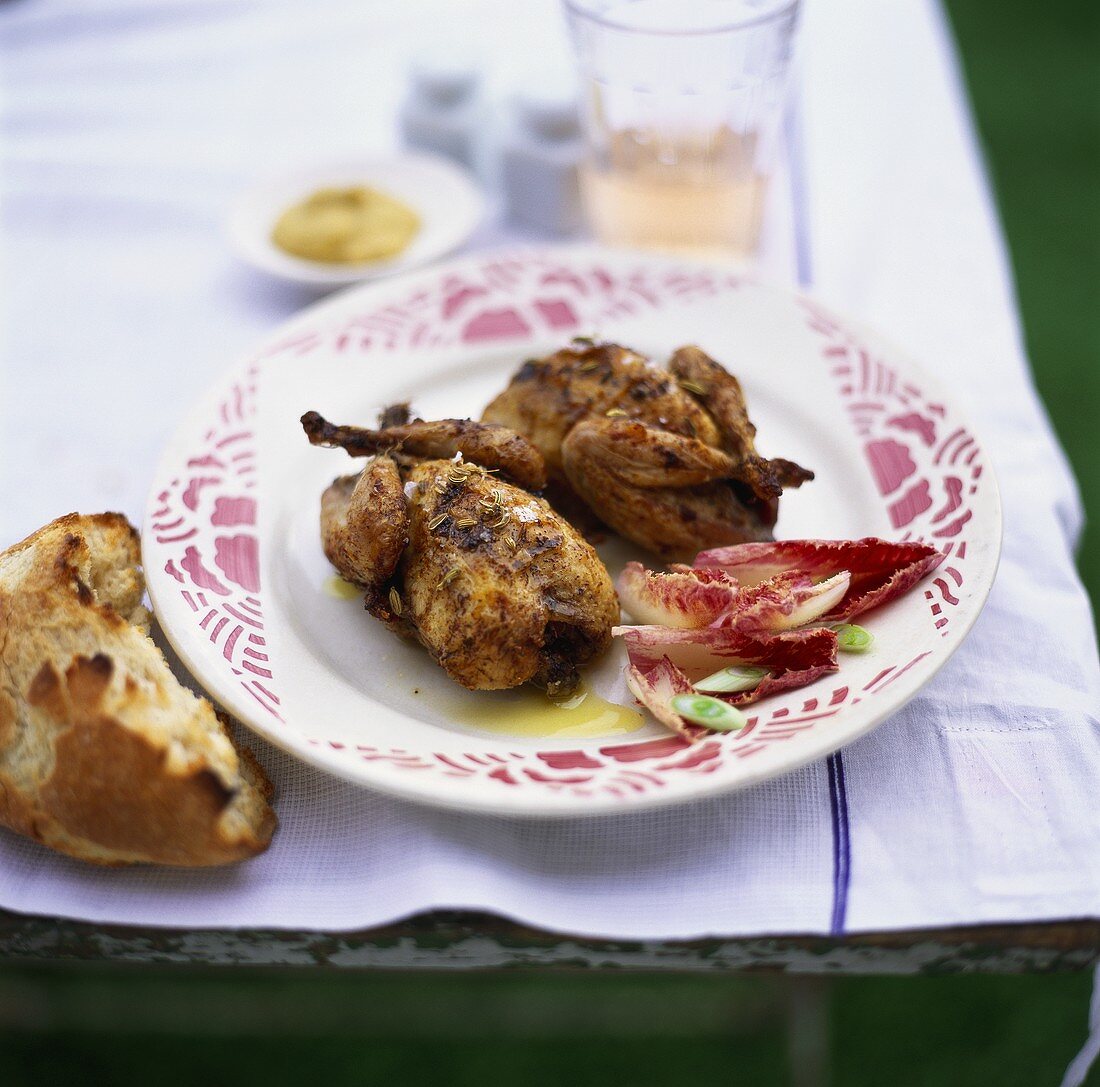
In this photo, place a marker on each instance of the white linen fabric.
(127, 129)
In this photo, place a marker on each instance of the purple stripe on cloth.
(842, 856)
(838, 790)
(796, 172)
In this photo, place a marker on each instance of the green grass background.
(1035, 82)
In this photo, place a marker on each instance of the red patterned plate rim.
(204, 566)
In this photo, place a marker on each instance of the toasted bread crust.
(103, 755)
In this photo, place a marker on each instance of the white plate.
(236, 573)
(445, 196)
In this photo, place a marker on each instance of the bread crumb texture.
(103, 754)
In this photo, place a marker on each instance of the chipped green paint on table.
(450, 941)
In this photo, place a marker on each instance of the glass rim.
(579, 8)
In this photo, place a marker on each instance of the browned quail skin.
(498, 587)
(664, 456)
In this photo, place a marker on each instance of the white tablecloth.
(128, 128)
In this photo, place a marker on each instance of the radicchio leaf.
(683, 598)
(880, 570)
(656, 688)
(793, 658)
(689, 599)
(783, 602)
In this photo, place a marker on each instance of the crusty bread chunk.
(103, 754)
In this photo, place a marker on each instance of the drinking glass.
(682, 106)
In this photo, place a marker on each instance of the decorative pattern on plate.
(509, 299)
(926, 470)
(208, 512)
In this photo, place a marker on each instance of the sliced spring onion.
(709, 712)
(735, 678)
(852, 639)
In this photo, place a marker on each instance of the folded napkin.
(973, 804)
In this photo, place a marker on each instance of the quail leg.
(720, 393)
(365, 524)
(487, 444)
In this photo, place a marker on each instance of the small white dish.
(445, 196)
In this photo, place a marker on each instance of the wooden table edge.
(447, 940)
